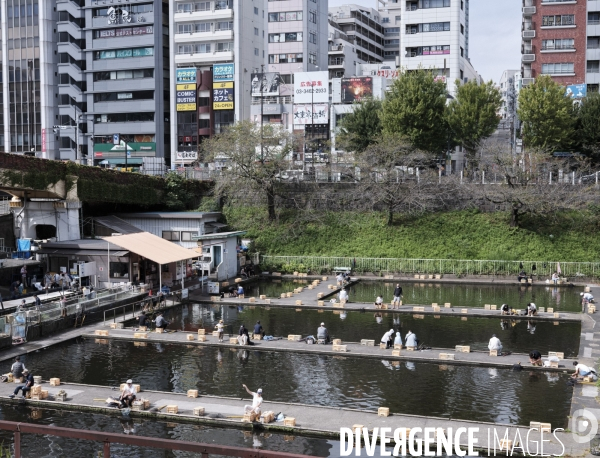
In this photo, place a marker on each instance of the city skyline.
(495, 27)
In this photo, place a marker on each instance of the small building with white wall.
(221, 251)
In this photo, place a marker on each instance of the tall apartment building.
(561, 39)
(28, 86)
(435, 35)
(222, 42)
(391, 19)
(112, 67)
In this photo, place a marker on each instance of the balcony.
(558, 48)
(336, 62)
(528, 11)
(204, 36)
(212, 15)
(336, 49)
(528, 34)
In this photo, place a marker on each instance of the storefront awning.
(152, 247)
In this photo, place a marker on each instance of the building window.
(312, 58)
(256, 31)
(256, 52)
(123, 96)
(285, 37)
(428, 50)
(385, 20)
(312, 17)
(565, 43)
(557, 69)
(592, 87)
(593, 18)
(558, 20)
(462, 52)
(225, 47)
(187, 236)
(286, 16)
(414, 5)
(593, 66)
(312, 37)
(202, 27)
(256, 10)
(462, 29)
(124, 75)
(223, 4)
(123, 117)
(173, 236)
(391, 31)
(285, 58)
(593, 42)
(224, 25)
(429, 27)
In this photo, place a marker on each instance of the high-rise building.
(435, 35)
(391, 19)
(215, 47)
(554, 40)
(28, 85)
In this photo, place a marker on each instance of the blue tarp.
(23, 245)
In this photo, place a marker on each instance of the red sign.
(43, 140)
(97, 154)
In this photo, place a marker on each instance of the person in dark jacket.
(397, 296)
(26, 387)
(161, 323)
(143, 319)
(258, 329)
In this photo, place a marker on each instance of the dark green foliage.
(362, 127)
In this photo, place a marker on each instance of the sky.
(495, 29)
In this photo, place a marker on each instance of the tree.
(534, 186)
(414, 109)
(547, 115)
(255, 161)
(473, 115)
(588, 128)
(177, 195)
(362, 127)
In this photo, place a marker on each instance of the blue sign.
(116, 139)
(223, 72)
(186, 75)
(577, 91)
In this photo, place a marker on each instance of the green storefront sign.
(103, 150)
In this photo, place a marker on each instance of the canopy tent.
(150, 246)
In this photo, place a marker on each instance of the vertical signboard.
(186, 89)
(223, 87)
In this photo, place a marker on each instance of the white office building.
(228, 35)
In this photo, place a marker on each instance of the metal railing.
(431, 266)
(137, 307)
(203, 450)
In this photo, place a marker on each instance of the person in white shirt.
(411, 339)
(340, 279)
(398, 339)
(388, 339)
(220, 327)
(378, 302)
(128, 394)
(555, 278)
(257, 400)
(531, 309)
(495, 344)
(587, 297)
(581, 370)
(344, 295)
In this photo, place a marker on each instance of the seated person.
(343, 295)
(258, 329)
(378, 302)
(340, 279)
(232, 292)
(161, 323)
(495, 344)
(535, 358)
(17, 368)
(411, 339)
(240, 290)
(243, 337)
(388, 339)
(128, 395)
(323, 333)
(505, 309)
(143, 319)
(398, 339)
(26, 387)
(581, 370)
(587, 298)
(522, 275)
(531, 309)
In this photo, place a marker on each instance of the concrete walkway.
(309, 419)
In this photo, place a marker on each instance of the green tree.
(362, 127)
(177, 195)
(473, 115)
(547, 115)
(254, 160)
(588, 129)
(414, 109)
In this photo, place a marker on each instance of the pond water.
(519, 336)
(563, 298)
(462, 392)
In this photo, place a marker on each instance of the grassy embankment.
(454, 235)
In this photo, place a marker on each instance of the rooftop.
(169, 215)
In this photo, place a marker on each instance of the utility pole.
(262, 78)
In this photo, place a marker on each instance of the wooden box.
(397, 347)
(140, 335)
(283, 295)
(267, 417)
(430, 277)
(190, 337)
(224, 284)
(267, 301)
(418, 309)
(37, 379)
(198, 411)
(550, 310)
(337, 341)
(289, 421)
(215, 333)
(417, 276)
(249, 417)
(202, 338)
(382, 346)
(310, 287)
(447, 305)
(493, 352)
(486, 306)
(588, 379)
(591, 308)
(159, 330)
(446, 356)
(201, 332)
(383, 412)
(367, 342)
(143, 328)
(341, 348)
(62, 397)
(215, 298)
(422, 277)
(396, 352)
(463, 349)
(116, 326)
(464, 310)
(238, 280)
(438, 276)
(357, 427)
(338, 305)
(294, 337)
(137, 405)
(241, 296)
(557, 315)
(101, 332)
(54, 382)
(507, 444)
(36, 389)
(321, 303)
(252, 300)
(44, 394)
(434, 304)
(295, 274)
(411, 348)
(587, 289)
(172, 409)
(541, 309)
(262, 296)
(233, 340)
(554, 364)
(298, 302)
(256, 337)
(558, 354)
(289, 294)
(436, 308)
(494, 307)
(192, 393)
(320, 295)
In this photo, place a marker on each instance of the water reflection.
(414, 388)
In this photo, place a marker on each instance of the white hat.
(391, 330)
(323, 324)
(259, 391)
(129, 381)
(581, 294)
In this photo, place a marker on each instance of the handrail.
(133, 305)
(204, 450)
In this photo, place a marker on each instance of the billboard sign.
(577, 91)
(223, 96)
(356, 89)
(186, 75)
(265, 84)
(186, 89)
(223, 72)
(311, 87)
(311, 114)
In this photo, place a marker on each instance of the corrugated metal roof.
(152, 247)
(117, 224)
(67, 252)
(169, 215)
(219, 235)
(81, 244)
